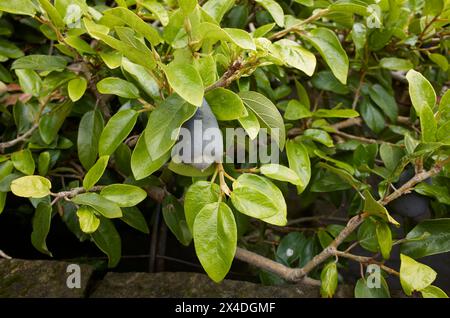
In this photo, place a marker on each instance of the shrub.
(95, 94)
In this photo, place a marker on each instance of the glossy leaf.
(124, 195)
(95, 172)
(299, 162)
(41, 226)
(414, 276)
(429, 237)
(23, 161)
(258, 197)
(174, 216)
(117, 86)
(329, 280)
(197, 196)
(102, 205)
(89, 131)
(76, 88)
(225, 104)
(164, 125)
(267, 113)
(31, 187)
(186, 81)
(116, 130)
(89, 222)
(328, 45)
(108, 241)
(215, 238)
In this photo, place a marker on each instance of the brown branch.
(366, 260)
(229, 76)
(259, 261)
(20, 138)
(73, 192)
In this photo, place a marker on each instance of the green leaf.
(142, 76)
(31, 187)
(52, 13)
(428, 125)
(116, 130)
(25, 7)
(129, 18)
(164, 125)
(325, 80)
(89, 131)
(102, 205)
(274, 9)
(23, 161)
(95, 173)
(281, 173)
(367, 236)
(108, 241)
(225, 104)
(51, 122)
(433, 292)
(41, 226)
(298, 159)
(197, 196)
(296, 110)
(295, 56)
(414, 276)
(327, 43)
(215, 239)
(173, 215)
(440, 60)
(391, 155)
(429, 237)
(373, 207)
(134, 218)
(384, 100)
(329, 280)
(29, 81)
(89, 222)
(212, 33)
(258, 197)
(319, 135)
(186, 81)
(141, 55)
(440, 193)
(44, 163)
(125, 195)
(363, 291)
(118, 86)
(384, 237)
(76, 88)
(268, 114)
(38, 62)
(421, 91)
(250, 124)
(372, 116)
(187, 6)
(158, 10)
(142, 165)
(80, 45)
(396, 64)
(217, 8)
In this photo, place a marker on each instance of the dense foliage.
(91, 93)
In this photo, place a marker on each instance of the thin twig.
(20, 138)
